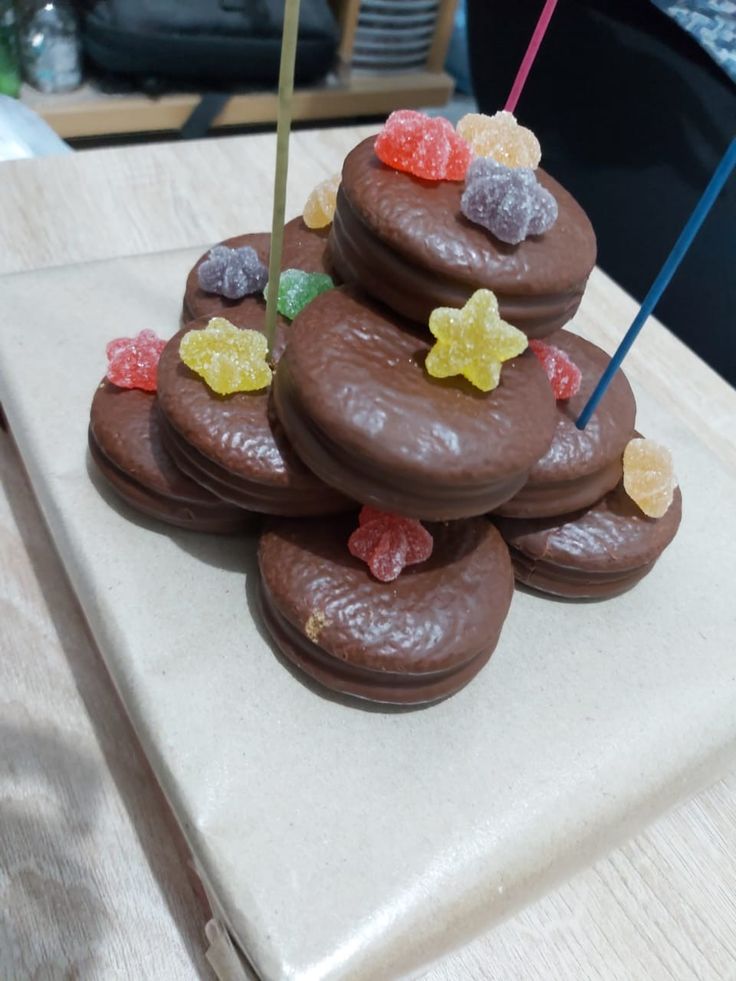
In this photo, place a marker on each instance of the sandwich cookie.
(414, 640)
(406, 243)
(360, 409)
(126, 445)
(234, 445)
(581, 465)
(595, 553)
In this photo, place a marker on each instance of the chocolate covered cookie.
(414, 640)
(233, 444)
(581, 465)
(595, 553)
(360, 409)
(126, 445)
(405, 242)
(304, 248)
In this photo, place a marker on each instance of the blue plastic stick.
(719, 178)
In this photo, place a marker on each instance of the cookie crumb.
(315, 625)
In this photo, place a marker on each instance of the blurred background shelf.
(361, 85)
(90, 112)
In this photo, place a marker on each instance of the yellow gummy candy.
(500, 136)
(473, 342)
(320, 207)
(649, 477)
(228, 358)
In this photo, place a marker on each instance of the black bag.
(210, 41)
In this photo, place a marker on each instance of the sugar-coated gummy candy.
(320, 207)
(424, 146)
(133, 361)
(501, 137)
(232, 273)
(388, 542)
(230, 359)
(297, 288)
(508, 201)
(649, 477)
(564, 375)
(473, 341)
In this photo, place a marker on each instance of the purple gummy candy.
(508, 201)
(233, 273)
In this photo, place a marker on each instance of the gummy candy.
(133, 361)
(230, 359)
(649, 477)
(388, 542)
(320, 207)
(508, 201)
(500, 136)
(298, 288)
(564, 375)
(233, 273)
(473, 341)
(423, 146)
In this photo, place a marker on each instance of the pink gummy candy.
(133, 361)
(388, 542)
(424, 146)
(564, 375)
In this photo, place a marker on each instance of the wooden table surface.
(93, 880)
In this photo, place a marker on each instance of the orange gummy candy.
(649, 478)
(500, 136)
(320, 207)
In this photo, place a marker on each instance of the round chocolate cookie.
(414, 640)
(233, 445)
(406, 242)
(304, 248)
(360, 409)
(125, 444)
(592, 554)
(581, 465)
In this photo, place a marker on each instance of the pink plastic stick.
(531, 53)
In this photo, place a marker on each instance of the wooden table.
(93, 878)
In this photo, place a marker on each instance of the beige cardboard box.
(351, 843)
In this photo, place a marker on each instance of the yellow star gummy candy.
(320, 207)
(500, 136)
(649, 477)
(230, 359)
(473, 342)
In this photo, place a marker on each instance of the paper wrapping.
(341, 842)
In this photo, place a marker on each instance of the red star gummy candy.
(564, 375)
(424, 146)
(133, 361)
(388, 542)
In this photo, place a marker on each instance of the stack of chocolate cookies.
(499, 476)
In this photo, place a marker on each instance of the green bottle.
(9, 58)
